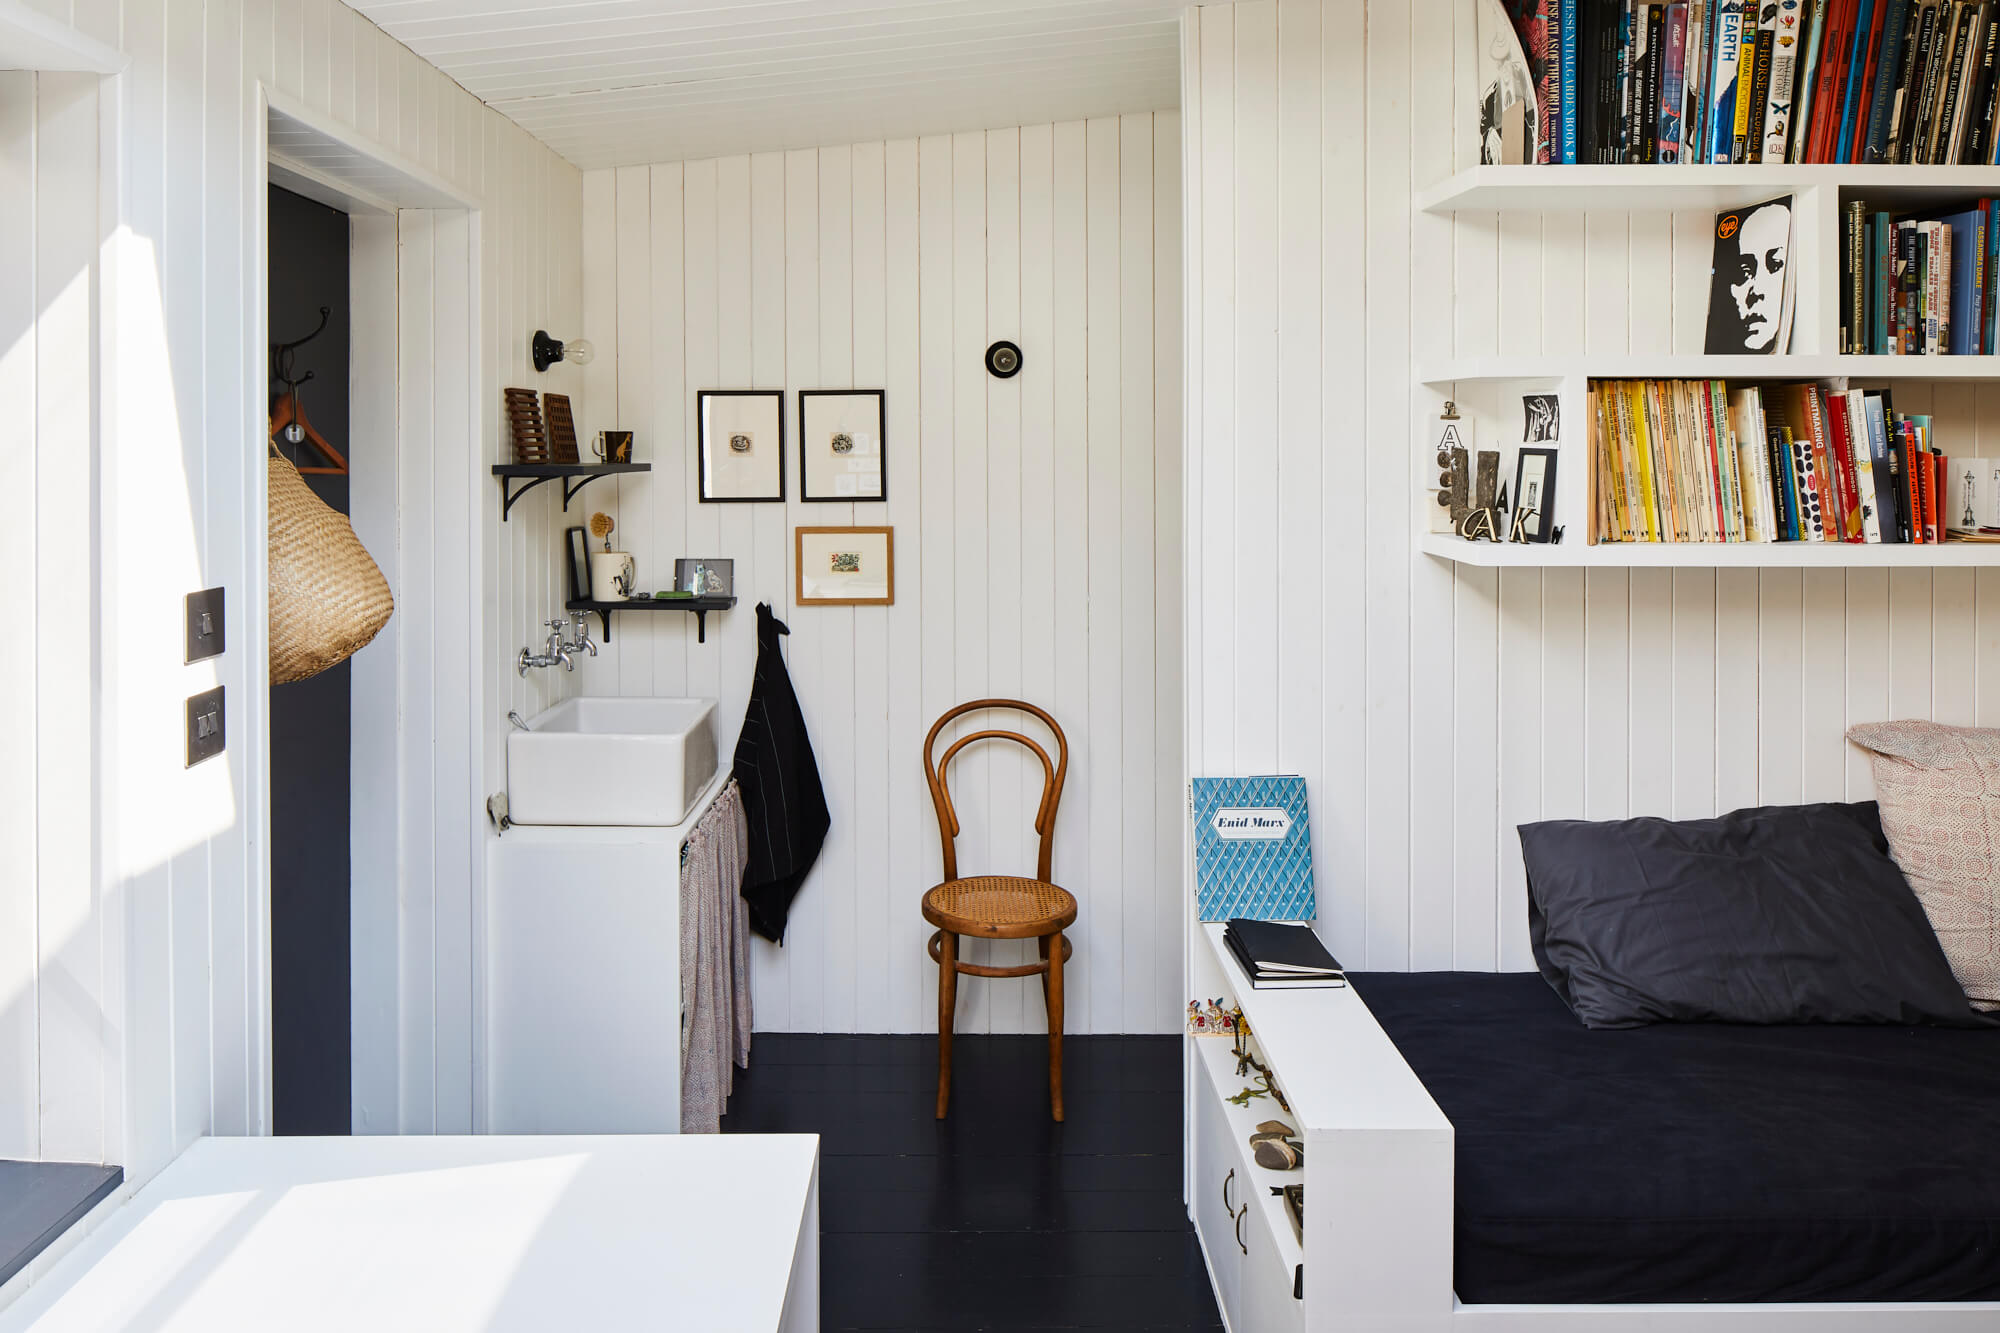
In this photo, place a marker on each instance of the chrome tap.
(579, 628)
(554, 653)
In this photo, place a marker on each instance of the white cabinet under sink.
(582, 978)
(611, 761)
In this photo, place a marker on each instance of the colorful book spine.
(1694, 66)
(1806, 82)
(1878, 467)
(1784, 72)
(1722, 95)
(1855, 55)
(1882, 95)
(1991, 308)
(1568, 81)
(1673, 83)
(1760, 93)
(1882, 285)
(1746, 82)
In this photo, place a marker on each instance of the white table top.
(440, 1234)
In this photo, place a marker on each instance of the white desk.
(451, 1235)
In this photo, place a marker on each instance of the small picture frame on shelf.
(1535, 492)
(742, 445)
(841, 433)
(578, 549)
(705, 576)
(846, 567)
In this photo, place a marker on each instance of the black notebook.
(1277, 955)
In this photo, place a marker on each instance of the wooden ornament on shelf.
(524, 422)
(562, 428)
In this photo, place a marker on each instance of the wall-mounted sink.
(611, 761)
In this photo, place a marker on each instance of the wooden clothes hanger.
(289, 412)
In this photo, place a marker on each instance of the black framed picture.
(742, 444)
(841, 454)
(579, 564)
(1535, 492)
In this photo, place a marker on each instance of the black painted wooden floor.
(996, 1218)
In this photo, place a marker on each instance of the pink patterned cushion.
(1939, 789)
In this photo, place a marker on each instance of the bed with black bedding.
(1703, 1161)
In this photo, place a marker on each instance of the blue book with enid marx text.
(1252, 848)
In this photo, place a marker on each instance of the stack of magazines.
(1278, 956)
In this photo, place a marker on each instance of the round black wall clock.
(1003, 359)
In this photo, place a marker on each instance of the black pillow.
(1783, 914)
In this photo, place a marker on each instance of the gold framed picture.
(846, 567)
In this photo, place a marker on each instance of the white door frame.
(418, 427)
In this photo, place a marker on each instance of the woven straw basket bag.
(328, 598)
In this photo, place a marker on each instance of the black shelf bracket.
(510, 493)
(570, 489)
(698, 606)
(517, 479)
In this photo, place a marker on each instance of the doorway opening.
(414, 747)
(309, 311)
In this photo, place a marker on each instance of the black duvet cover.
(1702, 1161)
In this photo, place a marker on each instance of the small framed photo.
(705, 577)
(1535, 492)
(579, 565)
(840, 444)
(846, 567)
(742, 444)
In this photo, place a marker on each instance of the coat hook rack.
(282, 353)
(288, 418)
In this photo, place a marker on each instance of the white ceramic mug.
(613, 576)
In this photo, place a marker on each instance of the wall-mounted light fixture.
(547, 351)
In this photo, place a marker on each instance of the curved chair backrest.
(1052, 778)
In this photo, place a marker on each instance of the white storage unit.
(583, 1019)
(1378, 1163)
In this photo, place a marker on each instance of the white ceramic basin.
(611, 761)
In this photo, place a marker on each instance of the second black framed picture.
(841, 453)
(742, 444)
(1535, 492)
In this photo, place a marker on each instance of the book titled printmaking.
(1252, 848)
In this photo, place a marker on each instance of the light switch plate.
(204, 726)
(204, 624)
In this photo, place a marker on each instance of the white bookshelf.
(1864, 369)
(1576, 554)
(1488, 389)
(1671, 188)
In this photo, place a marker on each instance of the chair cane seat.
(999, 907)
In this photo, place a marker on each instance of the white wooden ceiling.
(616, 82)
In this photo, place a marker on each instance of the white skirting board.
(583, 978)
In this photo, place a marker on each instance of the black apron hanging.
(782, 797)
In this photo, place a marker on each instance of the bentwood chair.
(998, 907)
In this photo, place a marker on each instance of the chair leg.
(1053, 983)
(947, 1010)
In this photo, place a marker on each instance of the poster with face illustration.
(1750, 284)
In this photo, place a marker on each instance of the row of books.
(1919, 284)
(1694, 461)
(1736, 81)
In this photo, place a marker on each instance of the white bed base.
(1377, 1250)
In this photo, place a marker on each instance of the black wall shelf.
(532, 475)
(701, 606)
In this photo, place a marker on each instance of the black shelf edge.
(700, 606)
(534, 474)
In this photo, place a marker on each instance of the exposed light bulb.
(578, 351)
